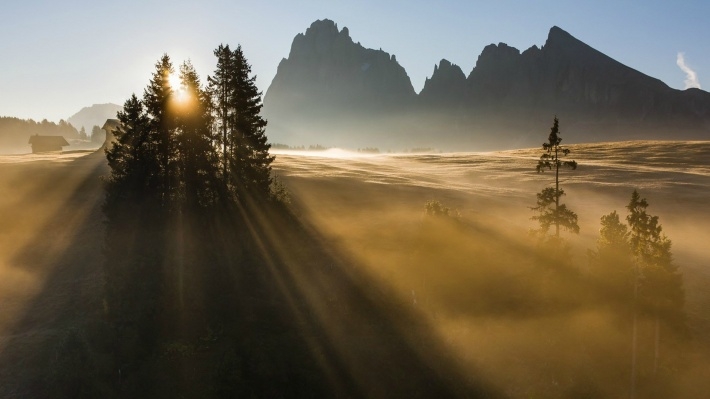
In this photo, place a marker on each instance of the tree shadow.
(63, 261)
(275, 311)
(367, 341)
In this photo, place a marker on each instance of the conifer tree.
(557, 215)
(252, 161)
(611, 260)
(197, 160)
(135, 173)
(657, 283)
(246, 162)
(222, 90)
(157, 99)
(97, 135)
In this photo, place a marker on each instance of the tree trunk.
(557, 195)
(657, 345)
(632, 389)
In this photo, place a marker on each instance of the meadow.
(382, 299)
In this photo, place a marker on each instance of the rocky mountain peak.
(446, 84)
(328, 79)
(320, 39)
(497, 53)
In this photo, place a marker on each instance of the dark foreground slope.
(355, 293)
(268, 309)
(334, 92)
(51, 280)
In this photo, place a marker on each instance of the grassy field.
(455, 285)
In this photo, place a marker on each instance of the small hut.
(47, 143)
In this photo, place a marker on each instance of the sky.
(57, 57)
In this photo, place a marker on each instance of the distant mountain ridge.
(95, 115)
(333, 91)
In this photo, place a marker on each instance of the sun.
(178, 89)
(174, 82)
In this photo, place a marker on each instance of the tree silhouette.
(97, 135)
(197, 159)
(222, 90)
(558, 215)
(657, 283)
(246, 163)
(157, 99)
(611, 263)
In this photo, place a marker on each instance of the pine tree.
(157, 99)
(135, 173)
(246, 162)
(559, 215)
(222, 90)
(97, 135)
(611, 264)
(657, 282)
(251, 159)
(197, 159)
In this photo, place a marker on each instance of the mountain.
(447, 85)
(94, 115)
(333, 91)
(329, 80)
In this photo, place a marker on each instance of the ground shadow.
(298, 318)
(64, 259)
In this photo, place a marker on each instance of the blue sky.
(59, 56)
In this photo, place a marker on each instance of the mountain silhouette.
(333, 91)
(95, 115)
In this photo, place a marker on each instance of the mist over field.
(370, 280)
(466, 279)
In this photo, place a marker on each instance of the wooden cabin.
(47, 143)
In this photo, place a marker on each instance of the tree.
(135, 172)
(222, 89)
(438, 210)
(611, 264)
(246, 163)
(657, 282)
(559, 215)
(157, 99)
(97, 135)
(82, 134)
(197, 159)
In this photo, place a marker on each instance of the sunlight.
(28, 261)
(180, 94)
(174, 81)
(337, 153)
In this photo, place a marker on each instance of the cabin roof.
(48, 141)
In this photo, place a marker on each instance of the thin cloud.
(691, 78)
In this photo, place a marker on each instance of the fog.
(469, 300)
(473, 280)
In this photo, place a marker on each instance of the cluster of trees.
(632, 262)
(188, 157)
(97, 135)
(186, 146)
